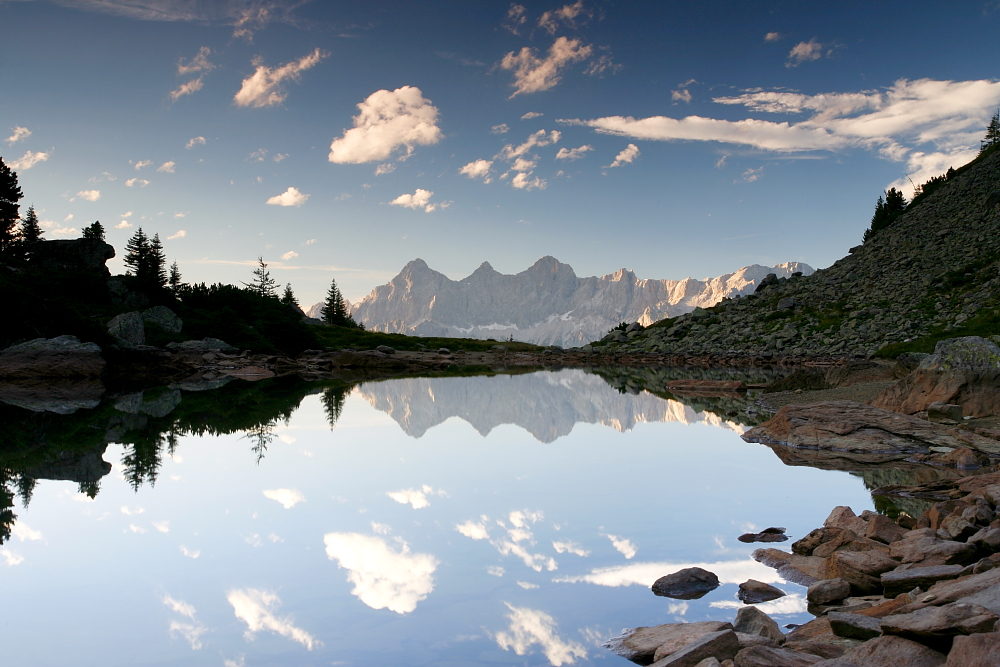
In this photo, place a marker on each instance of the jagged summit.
(547, 303)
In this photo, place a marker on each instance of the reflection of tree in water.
(333, 403)
(261, 436)
(141, 463)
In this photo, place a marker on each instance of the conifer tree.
(334, 310)
(288, 297)
(262, 284)
(174, 281)
(10, 195)
(31, 231)
(992, 137)
(157, 262)
(137, 255)
(94, 231)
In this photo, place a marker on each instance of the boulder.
(722, 645)
(765, 656)
(766, 535)
(986, 540)
(802, 570)
(164, 318)
(690, 583)
(752, 621)
(61, 357)
(62, 255)
(128, 329)
(641, 644)
(860, 569)
(844, 517)
(883, 529)
(754, 592)
(979, 650)
(939, 411)
(969, 353)
(854, 626)
(923, 547)
(892, 651)
(816, 537)
(828, 590)
(937, 626)
(862, 433)
(901, 581)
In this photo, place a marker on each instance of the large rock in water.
(962, 371)
(128, 329)
(61, 357)
(642, 644)
(164, 318)
(862, 432)
(690, 583)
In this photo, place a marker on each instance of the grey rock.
(129, 403)
(891, 651)
(939, 411)
(987, 539)
(162, 403)
(385, 349)
(828, 590)
(902, 581)
(765, 656)
(722, 645)
(164, 318)
(128, 329)
(752, 621)
(854, 626)
(691, 583)
(60, 357)
(641, 644)
(752, 591)
(936, 626)
(970, 353)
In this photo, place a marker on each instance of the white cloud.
(263, 87)
(179, 234)
(385, 168)
(70, 217)
(535, 561)
(380, 528)
(645, 573)
(502, 128)
(142, 163)
(523, 182)
(278, 157)
(532, 114)
(28, 160)
(89, 195)
(495, 571)
(179, 607)
(571, 548)
(921, 167)
(291, 254)
(132, 182)
(772, 37)
(419, 199)
(310, 241)
(550, 21)
(136, 529)
(256, 608)
(600, 65)
(522, 164)
(22, 532)
(415, 497)
(166, 167)
(628, 154)
(19, 134)
(471, 529)
(190, 553)
(287, 498)
(131, 512)
(751, 175)
(290, 197)
(124, 224)
(531, 626)
(239, 662)
(11, 558)
(790, 604)
(527, 585)
(195, 141)
(189, 88)
(624, 546)
(533, 74)
(199, 63)
(388, 121)
(521, 519)
(383, 578)
(191, 632)
(681, 95)
(478, 169)
(258, 155)
(539, 139)
(180, 215)
(573, 153)
(804, 52)
(162, 526)
(721, 162)
(516, 17)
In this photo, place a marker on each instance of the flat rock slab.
(925, 548)
(754, 592)
(980, 650)
(642, 643)
(902, 581)
(690, 583)
(854, 626)
(828, 590)
(856, 428)
(801, 570)
(60, 357)
(893, 652)
(937, 626)
(722, 645)
(765, 656)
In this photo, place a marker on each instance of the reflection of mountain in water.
(546, 404)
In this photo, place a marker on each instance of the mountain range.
(546, 304)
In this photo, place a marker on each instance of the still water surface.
(507, 520)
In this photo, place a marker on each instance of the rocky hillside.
(936, 269)
(545, 304)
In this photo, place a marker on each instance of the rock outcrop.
(545, 304)
(60, 357)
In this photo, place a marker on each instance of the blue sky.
(342, 139)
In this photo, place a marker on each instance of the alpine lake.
(500, 519)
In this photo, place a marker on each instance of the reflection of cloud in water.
(531, 626)
(11, 558)
(570, 547)
(495, 570)
(162, 526)
(527, 585)
(255, 608)
(678, 608)
(383, 578)
(22, 532)
(644, 574)
(546, 404)
(191, 630)
(519, 533)
(415, 497)
(287, 498)
(625, 547)
(790, 604)
(535, 561)
(476, 531)
(190, 553)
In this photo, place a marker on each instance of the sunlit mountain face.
(475, 520)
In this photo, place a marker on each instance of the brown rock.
(977, 392)
(763, 656)
(936, 626)
(864, 432)
(887, 607)
(860, 569)
(754, 640)
(691, 583)
(825, 650)
(816, 537)
(62, 357)
(923, 547)
(643, 643)
(941, 511)
(720, 645)
(754, 592)
(959, 528)
(816, 629)
(980, 650)
(828, 590)
(751, 620)
(883, 529)
(892, 651)
(902, 581)
(802, 570)
(845, 518)
(854, 626)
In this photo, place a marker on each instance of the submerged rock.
(690, 583)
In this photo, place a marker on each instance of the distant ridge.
(547, 303)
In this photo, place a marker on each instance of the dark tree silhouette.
(174, 280)
(886, 211)
(137, 254)
(288, 297)
(31, 231)
(157, 262)
(335, 310)
(94, 231)
(10, 195)
(262, 284)
(992, 137)
(333, 404)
